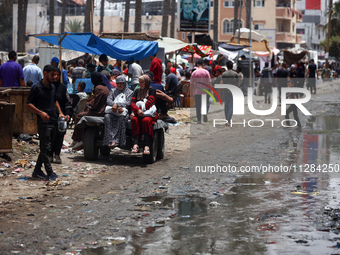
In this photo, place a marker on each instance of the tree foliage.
(335, 20)
(74, 26)
(334, 46)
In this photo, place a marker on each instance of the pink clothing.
(199, 77)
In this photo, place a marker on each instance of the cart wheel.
(152, 157)
(90, 146)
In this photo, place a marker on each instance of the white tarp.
(255, 36)
(170, 44)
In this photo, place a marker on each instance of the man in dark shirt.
(281, 78)
(42, 101)
(171, 82)
(311, 71)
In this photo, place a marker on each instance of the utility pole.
(329, 33)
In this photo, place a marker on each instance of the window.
(259, 3)
(293, 28)
(228, 26)
(228, 4)
(211, 26)
(211, 4)
(258, 26)
(300, 31)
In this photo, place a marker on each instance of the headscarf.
(100, 79)
(125, 90)
(144, 93)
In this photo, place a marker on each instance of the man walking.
(311, 71)
(199, 79)
(42, 101)
(32, 72)
(11, 73)
(229, 77)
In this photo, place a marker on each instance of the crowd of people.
(125, 91)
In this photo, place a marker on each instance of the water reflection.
(263, 214)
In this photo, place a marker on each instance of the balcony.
(298, 38)
(299, 16)
(284, 13)
(285, 37)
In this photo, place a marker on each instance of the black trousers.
(58, 143)
(47, 132)
(198, 103)
(161, 105)
(293, 108)
(311, 84)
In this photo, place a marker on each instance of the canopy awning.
(127, 50)
(170, 44)
(232, 47)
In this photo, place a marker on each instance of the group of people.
(143, 102)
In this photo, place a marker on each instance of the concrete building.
(277, 19)
(313, 22)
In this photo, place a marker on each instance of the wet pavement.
(297, 212)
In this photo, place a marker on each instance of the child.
(292, 107)
(79, 96)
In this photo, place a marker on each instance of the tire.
(105, 150)
(90, 143)
(149, 159)
(160, 149)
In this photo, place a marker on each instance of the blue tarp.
(126, 50)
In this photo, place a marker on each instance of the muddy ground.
(120, 202)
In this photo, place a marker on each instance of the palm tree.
(138, 17)
(165, 19)
(101, 28)
(216, 4)
(335, 20)
(248, 14)
(51, 16)
(173, 16)
(74, 26)
(22, 14)
(236, 6)
(127, 16)
(88, 13)
(63, 16)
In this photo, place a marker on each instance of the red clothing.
(145, 124)
(215, 69)
(173, 70)
(156, 68)
(113, 84)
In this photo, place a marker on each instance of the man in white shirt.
(135, 71)
(32, 72)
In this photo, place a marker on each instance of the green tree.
(334, 46)
(74, 26)
(335, 20)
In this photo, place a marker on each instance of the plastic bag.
(151, 112)
(108, 109)
(120, 99)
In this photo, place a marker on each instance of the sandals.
(135, 149)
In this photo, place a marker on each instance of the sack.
(108, 109)
(151, 112)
